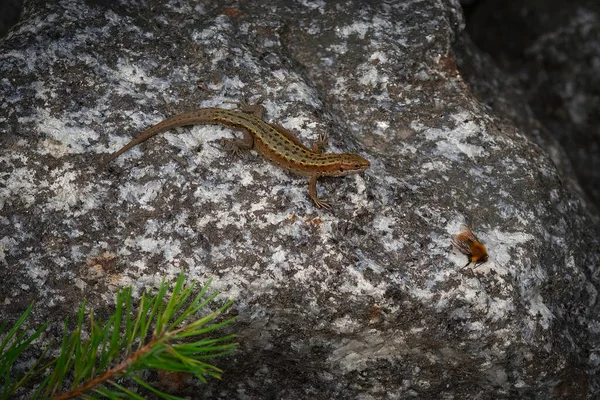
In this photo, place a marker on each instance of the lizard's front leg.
(312, 192)
(317, 146)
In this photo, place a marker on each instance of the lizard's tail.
(205, 116)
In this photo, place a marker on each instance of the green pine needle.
(163, 333)
(12, 346)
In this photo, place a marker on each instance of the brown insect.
(468, 244)
(375, 314)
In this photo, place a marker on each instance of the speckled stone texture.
(366, 301)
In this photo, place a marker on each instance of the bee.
(375, 314)
(468, 244)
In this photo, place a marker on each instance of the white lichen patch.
(18, 184)
(65, 138)
(345, 324)
(354, 354)
(386, 232)
(539, 311)
(7, 245)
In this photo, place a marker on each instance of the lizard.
(271, 141)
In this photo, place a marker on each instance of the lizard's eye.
(341, 169)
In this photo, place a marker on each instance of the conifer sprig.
(162, 334)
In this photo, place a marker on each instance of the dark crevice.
(551, 49)
(10, 12)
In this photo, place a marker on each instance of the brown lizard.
(272, 141)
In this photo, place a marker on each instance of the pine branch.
(163, 334)
(120, 369)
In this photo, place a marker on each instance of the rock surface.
(365, 301)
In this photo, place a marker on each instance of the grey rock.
(367, 301)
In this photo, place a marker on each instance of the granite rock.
(366, 301)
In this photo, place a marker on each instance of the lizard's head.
(350, 164)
